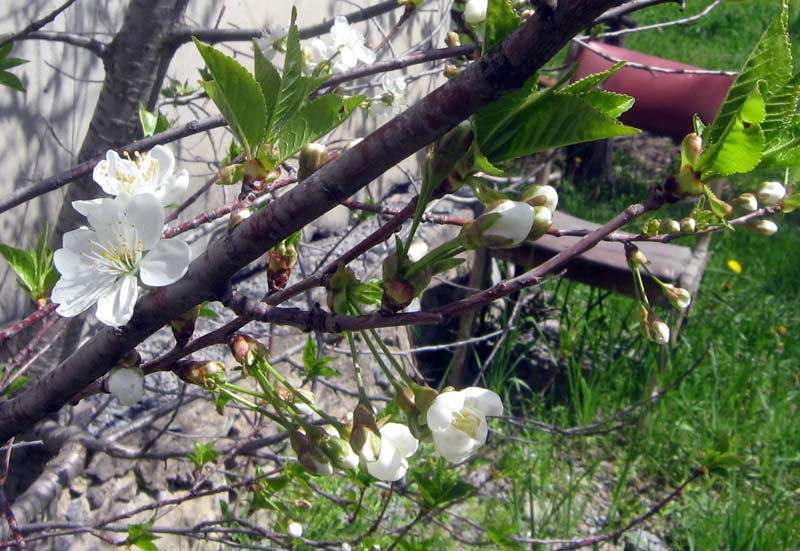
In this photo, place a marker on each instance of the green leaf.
(444, 486)
(587, 83)
(741, 147)
(203, 453)
(770, 61)
(269, 80)
(11, 62)
(791, 203)
(316, 367)
(237, 95)
(7, 79)
(501, 21)
(698, 125)
(140, 535)
(781, 107)
(314, 120)
(148, 120)
(611, 103)
(15, 385)
(23, 263)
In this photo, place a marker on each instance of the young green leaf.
(203, 453)
(23, 264)
(237, 94)
(141, 536)
(313, 121)
(316, 367)
(501, 21)
(7, 78)
(269, 80)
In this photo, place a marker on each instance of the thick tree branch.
(520, 55)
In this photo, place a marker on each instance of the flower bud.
(688, 225)
(651, 227)
(417, 250)
(475, 12)
(452, 40)
(634, 255)
(238, 217)
(504, 224)
(183, 326)
(746, 201)
(229, 175)
(365, 438)
(203, 374)
(691, 148)
(542, 220)
(669, 226)
(309, 455)
(312, 157)
(763, 227)
(540, 196)
(677, 296)
(688, 182)
(658, 332)
(405, 399)
(242, 345)
(126, 384)
(423, 398)
(294, 529)
(451, 71)
(340, 453)
(771, 193)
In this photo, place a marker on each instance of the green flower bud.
(312, 157)
(679, 298)
(203, 374)
(543, 219)
(669, 226)
(452, 40)
(688, 225)
(651, 227)
(634, 255)
(763, 227)
(230, 175)
(691, 148)
(451, 71)
(238, 217)
(504, 224)
(746, 202)
(771, 193)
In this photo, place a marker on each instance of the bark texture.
(492, 76)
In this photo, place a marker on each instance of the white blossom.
(770, 193)
(149, 173)
(101, 263)
(294, 529)
(679, 297)
(764, 227)
(504, 224)
(457, 420)
(350, 44)
(272, 40)
(397, 443)
(475, 12)
(393, 100)
(126, 384)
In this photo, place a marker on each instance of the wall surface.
(41, 131)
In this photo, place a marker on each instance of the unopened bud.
(452, 40)
(763, 227)
(294, 529)
(504, 224)
(691, 148)
(230, 175)
(541, 196)
(365, 438)
(679, 298)
(746, 201)
(423, 398)
(204, 374)
(669, 226)
(634, 255)
(451, 71)
(312, 157)
(475, 12)
(688, 225)
(771, 193)
(651, 227)
(542, 220)
(242, 345)
(340, 453)
(658, 332)
(183, 326)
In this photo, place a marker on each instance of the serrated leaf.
(588, 82)
(237, 95)
(309, 352)
(741, 147)
(770, 61)
(314, 120)
(485, 193)
(141, 536)
(501, 21)
(698, 125)
(611, 103)
(269, 80)
(23, 263)
(554, 120)
(781, 107)
(7, 79)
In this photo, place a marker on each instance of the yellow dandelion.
(734, 266)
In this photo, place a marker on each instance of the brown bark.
(492, 76)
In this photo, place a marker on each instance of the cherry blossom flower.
(273, 40)
(344, 47)
(397, 443)
(103, 263)
(149, 173)
(475, 12)
(126, 384)
(504, 224)
(393, 100)
(457, 420)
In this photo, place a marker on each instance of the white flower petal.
(116, 308)
(390, 465)
(84, 207)
(126, 384)
(440, 414)
(453, 444)
(483, 400)
(74, 296)
(401, 438)
(145, 215)
(166, 263)
(364, 54)
(174, 188)
(162, 161)
(348, 57)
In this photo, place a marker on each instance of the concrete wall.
(41, 131)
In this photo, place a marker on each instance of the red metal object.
(665, 102)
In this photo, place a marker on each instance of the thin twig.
(37, 24)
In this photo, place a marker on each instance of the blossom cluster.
(455, 421)
(104, 263)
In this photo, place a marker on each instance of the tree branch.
(519, 56)
(37, 24)
(95, 46)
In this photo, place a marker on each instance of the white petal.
(84, 207)
(74, 296)
(401, 438)
(166, 263)
(483, 400)
(364, 54)
(166, 164)
(116, 308)
(173, 188)
(453, 444)
(390, 466)
(440, 414)
(127, 385)
(102, 173)
(348, 57)
(146, 215)
(102, 215)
